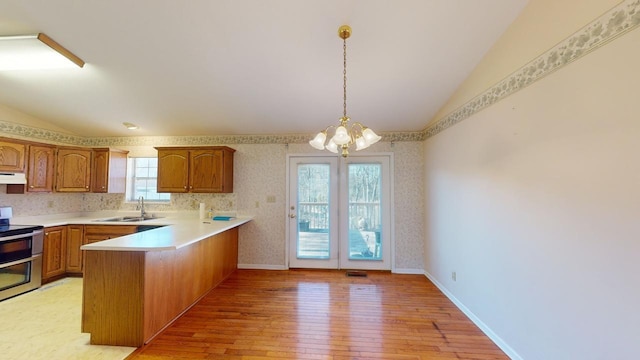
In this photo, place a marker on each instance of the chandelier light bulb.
(341, 136)
(331, 146)
(371, 136)
(361, 143)
(318, 141)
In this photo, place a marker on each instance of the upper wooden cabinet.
(109, 172)
(202, 169)
(40, 169)
(73, 169)
(12, 155)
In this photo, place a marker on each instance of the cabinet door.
(91, 238)
(206, 171)
(74, 170)
(173, 171)
(40, 168)
(100, 171)
(54, 251)
(12, 155)
(75, 256)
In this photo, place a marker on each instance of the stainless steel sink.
(128, 219)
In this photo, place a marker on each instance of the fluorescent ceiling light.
(32, 52)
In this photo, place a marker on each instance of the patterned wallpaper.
(618, 21)
(260, 171)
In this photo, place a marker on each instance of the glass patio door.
(313, 212)
(339, 212)
(365, 222)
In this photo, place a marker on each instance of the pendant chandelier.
(345, 134)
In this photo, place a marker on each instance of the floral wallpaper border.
(49, 136)
(616, 22)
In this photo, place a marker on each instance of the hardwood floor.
(322, 314)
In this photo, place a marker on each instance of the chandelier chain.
(344, 76)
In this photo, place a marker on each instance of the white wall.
(535, 203)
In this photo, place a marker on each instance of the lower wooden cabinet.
(54, 252)
(61, 251)
(93, 233)
(75, 238)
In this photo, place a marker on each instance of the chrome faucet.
(140, 207)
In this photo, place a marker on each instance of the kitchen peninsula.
(136, 285)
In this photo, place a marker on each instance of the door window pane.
(365, 215)
(313, 211)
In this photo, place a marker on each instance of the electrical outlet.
(271, 199)
(453, 276)
(257, 204)
(50, 204)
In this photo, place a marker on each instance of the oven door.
(20, 276)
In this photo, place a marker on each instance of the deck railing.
(315, 216)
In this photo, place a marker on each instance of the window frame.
(131, 194)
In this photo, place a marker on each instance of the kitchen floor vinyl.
(45, 324)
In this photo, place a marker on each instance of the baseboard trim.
(408, 271)
(483, 327)
(261, 267)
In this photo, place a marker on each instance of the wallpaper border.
(616, 22)
(32, 133)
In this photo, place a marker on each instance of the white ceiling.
(231, 67)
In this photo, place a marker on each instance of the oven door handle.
(21, 236)
(18, 262)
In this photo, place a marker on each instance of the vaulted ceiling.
(231, 67)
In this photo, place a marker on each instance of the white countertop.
(178, 230)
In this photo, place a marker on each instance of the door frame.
(392, 240)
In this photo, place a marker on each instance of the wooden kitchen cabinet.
(73, 169)
(40, 169)
(12, 155)
(75, 238)
(94, 233)
(109, 172)
(78, 235)
(54, 252)
(202, 169)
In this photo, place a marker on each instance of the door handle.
(292, 216)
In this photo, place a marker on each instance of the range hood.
(13, 178)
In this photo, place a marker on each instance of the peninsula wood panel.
(131, 296)
(113, 297)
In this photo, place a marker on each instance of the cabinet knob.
(185, 186)
(103, 187)
(30, 186)
(87, 186)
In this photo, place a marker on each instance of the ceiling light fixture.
(344, 135)
(34, 52)
(130, 126)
